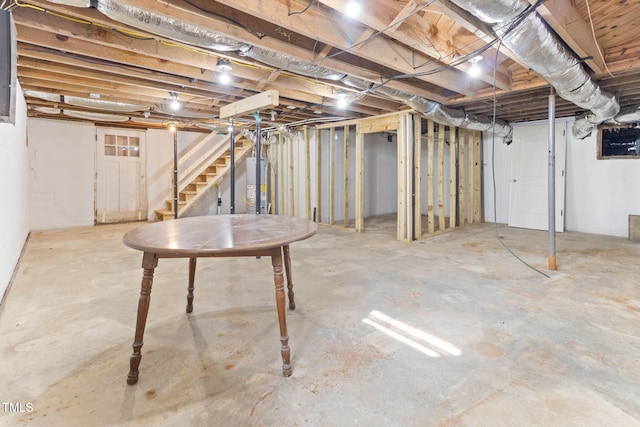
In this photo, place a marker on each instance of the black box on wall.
(7, 68)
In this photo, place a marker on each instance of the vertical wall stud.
(453, 184)
(345, 139)
(319, 175)
(292, 192)
(430, 200)
(307, 172)
(332, 175)
(281, 175)
(417, 184)
(359, 180)
(462, 162)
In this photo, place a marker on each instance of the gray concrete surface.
(448, 331)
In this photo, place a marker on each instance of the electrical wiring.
(302, 11)
(226, 18)
(144, 37)
(510, 27)
(493, 172)
(378, 33)
(5, 6)
(595, 40)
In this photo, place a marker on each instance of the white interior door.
(528, 201)
(120, 179)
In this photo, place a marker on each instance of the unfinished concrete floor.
(451, 330)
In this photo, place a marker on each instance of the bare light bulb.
(224, 78)
(342, 102)
(474, 70)
(353, 9)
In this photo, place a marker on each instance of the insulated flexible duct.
(85, 102)
(540, 50)
(171, 28)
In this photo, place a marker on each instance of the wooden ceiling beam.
(188, 14)
(318, 25)
(154, 55)
(420, 35)
(563, 17)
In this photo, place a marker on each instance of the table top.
(218, 234)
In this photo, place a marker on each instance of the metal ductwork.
(539, 49)
(197, 36)
(85, 102)
(165, 26)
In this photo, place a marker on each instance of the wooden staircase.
(209, 173)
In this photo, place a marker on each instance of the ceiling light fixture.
(223, 65)
(474, 70)
(353, 9)
(175, 104)
(224, 78)
(342, 102)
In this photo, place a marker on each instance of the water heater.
(251, 194)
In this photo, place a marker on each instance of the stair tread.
(221, 166)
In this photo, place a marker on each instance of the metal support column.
(258, 184)
(175, 173)
(552, 180)
(232, 178)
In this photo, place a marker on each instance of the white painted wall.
(61, 173)
(14, 216)
(496, 163)
(599, 194)
(160, 165)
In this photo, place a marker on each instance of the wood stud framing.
(345, 141)
(307, 171)
(444, 180)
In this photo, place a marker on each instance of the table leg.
(287, 268)
(192, 277)
(149, 263)
(276, 262)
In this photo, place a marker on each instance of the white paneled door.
(120, 179)
(528, 201)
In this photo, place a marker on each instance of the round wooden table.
(217, 236)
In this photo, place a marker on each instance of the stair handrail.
(186, 176)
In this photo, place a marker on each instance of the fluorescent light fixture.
(353, 9)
